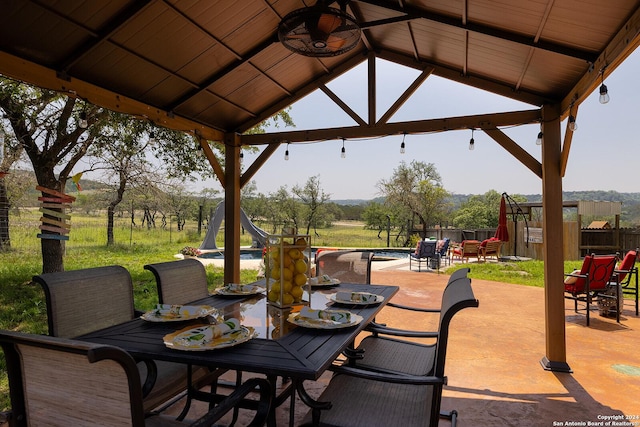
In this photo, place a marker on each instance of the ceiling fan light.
(319, 31)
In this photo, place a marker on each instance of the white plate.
(306, 322)
(333, 282)
(379, 299)
(224, 291)
(177, 340)
(179, 313)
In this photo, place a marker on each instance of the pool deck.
(493, 359)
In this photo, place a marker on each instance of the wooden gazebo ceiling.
(218, 67)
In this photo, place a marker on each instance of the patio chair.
(346, 266)
(86, 300)
(425, 251)
(467, 249)
(60, 382)
(592, 282)
(442, 249)
(490, 247)
(628, 275)
(180, 282)
(364, 395)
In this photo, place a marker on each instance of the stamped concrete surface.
(493, 359)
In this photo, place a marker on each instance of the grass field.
(22, 303)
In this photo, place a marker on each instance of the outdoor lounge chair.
(467, 249)
(60, 382)
(490, 247)
(180, 282)
(346, 266)
(628, 276)
(364, 396)
(592, 282)
(425, 251)
(86, 300)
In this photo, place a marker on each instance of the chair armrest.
(377, 328)
(235, 398)
(397, 378)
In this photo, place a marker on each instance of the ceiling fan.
(320, 30)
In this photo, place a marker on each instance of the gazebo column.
(232, 209)
(556, 349)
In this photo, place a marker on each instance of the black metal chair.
(60, 382)
(628, 276)
(425, 251)
(346, 266)
(396, 394)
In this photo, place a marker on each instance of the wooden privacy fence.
(577, 243)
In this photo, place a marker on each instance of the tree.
(376, 217)
(313, 198)
(415, 191)
(479, 211)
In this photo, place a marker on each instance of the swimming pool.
(380, 254)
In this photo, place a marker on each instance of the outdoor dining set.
(106, 363)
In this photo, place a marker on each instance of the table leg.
(315, 406)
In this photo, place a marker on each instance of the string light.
(83, 120)
(286, 153)
(152, 138)
(402, 149)
(604, 91)
(343, 152)
(540, 135)
(472, 142)
(572, 123)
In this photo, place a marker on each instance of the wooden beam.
(40, 76)
(555, 358)
(516, 151)
(566, 146)
(232, 209)
(257, 164)
(371, 88)
(614, 54)
(340, 103)
(421, 126)
(405, 96)
(213, 160)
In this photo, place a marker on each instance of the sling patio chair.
(627, 272)
(86, 300)
(345, 265)
(61, 382)
(592, 282)
(395, 394)
(425, 251)
(180, 282)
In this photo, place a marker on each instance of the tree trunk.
(5, 241)
(112, 208)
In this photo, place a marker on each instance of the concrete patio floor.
(493, 359)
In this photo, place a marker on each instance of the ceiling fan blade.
(335, 43)
(327, 23)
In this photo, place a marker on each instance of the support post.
(555, 358)
(232, 209)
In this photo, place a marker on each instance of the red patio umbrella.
(501, 232)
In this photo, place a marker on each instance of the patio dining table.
(281, 349)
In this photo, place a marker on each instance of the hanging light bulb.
(539, 139)
(152, 138)
(472, 142)
(343, 152)
(241, 154)
(572, 123)
(83, 120)
(402, 150)
(286, 153)
(604, 91)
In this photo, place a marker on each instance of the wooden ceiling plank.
(620, 47)
(484, 29)
(40, 76)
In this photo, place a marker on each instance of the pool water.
(252, 254)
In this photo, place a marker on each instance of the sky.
(604, 150)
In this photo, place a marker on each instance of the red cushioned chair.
(628, 275)
(593, 280)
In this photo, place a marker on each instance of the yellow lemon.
(275, 272)
(301, 266)
(276, 287)
(287, 299)
(297, 292)
(275, 254)
(286, 286)
(295, 253)
(300, 279)
(273, 296)
(286, 260)
(287, 274)
(301, 241)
